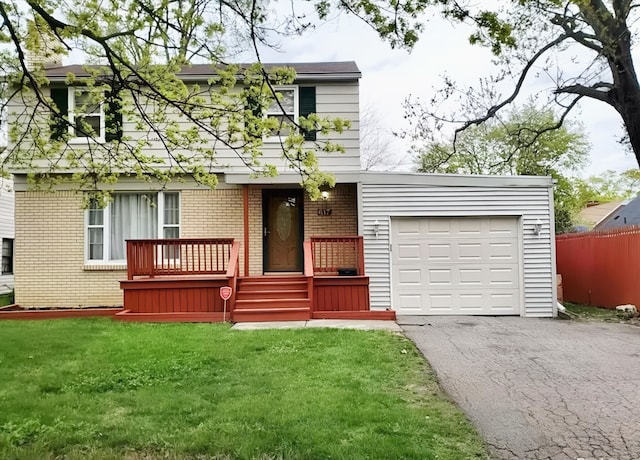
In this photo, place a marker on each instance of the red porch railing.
(179, 256)
(332, 254)
(335, 296)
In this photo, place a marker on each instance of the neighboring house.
(7, 236)
(420, 244)
(596, 213)
(623, 216)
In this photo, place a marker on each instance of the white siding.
(333, 99)
(7, 225)
(382, 201)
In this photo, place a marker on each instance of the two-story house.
(414, 243)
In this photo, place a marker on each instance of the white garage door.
(456, 266)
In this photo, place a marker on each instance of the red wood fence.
(339, 252)
(600, 268)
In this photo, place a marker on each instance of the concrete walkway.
(365, 325)
(540, 388)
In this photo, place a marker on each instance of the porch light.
(325, 195)
(376, 228)
(537, 227)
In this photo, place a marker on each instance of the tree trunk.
(625, 95)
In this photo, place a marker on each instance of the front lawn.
(95, 388)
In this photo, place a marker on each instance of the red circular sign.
(225, 292)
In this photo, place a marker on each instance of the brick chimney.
(44, 50)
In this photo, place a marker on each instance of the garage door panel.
(409, 251)
(411, 302)
(438, 251)
(502, 301)
(468, 227)
(407, 227)
(471, 303)
(502, 226)
(436, 227)
(409, 277)
(465, 266)
(439, 277)
(503, 251)
(440, 303)
(503, 276)
(471, 251)
(471, 277)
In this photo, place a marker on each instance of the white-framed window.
(86, 114)
(284, 112)
(129, 216)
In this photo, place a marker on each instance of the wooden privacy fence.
(600, 268)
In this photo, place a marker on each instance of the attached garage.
(455, 265)
(459, 245)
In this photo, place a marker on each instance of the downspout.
(245, 199)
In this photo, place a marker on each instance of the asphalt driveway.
(540, 388)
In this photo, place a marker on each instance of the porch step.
(271, 294)
(272, 298)
(272, 283)
(282, 303)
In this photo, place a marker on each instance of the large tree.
(522, 145)
(577, 49)
(137, 49)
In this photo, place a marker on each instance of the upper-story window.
(130, 216)
(284, 110)
(293, 102)
(86, 115)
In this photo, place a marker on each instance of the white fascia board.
(454, 180)
(129, 184)
(240, 178)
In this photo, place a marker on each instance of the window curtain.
(133, 216)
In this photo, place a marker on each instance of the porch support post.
(245, 198)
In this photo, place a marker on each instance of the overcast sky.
(389, 76)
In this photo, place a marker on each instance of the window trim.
(296, 108)
(71, 114)
(106, 226)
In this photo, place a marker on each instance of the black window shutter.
(60, 97)
(307, 107)
(113, 116)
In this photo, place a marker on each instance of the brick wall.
(213, 214)
(255, 231)
(49, 249)
(343, 220)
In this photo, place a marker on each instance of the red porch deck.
(180, 280)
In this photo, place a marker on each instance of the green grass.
(592, 313)
(95, 388)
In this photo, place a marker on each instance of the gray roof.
(346, 70)
(623, 217)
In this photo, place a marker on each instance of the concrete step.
(271, 314)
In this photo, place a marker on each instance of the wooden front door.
(282, 230)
